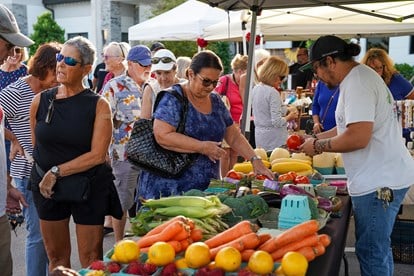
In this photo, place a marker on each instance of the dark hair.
(205, 59)
(350, 51)
(44, 60)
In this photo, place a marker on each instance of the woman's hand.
(317, 128)
(260, 169)
(46, 185)
(213, 150)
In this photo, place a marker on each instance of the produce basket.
(402, 241)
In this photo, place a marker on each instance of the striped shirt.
(15, 100)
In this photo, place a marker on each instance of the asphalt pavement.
(18, 244)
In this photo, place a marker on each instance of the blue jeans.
(36, 257)
(373, 228)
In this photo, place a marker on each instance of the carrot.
(185, 243)
(176, 245)
(264, 238)
(144, 249)
(162, 226)
(167, 234)
(246, 254)
(319, 249)
(325, 239)
(293, 246)
(185, 233)
(247, 241)
(308, 252)
(296, 233)
(196, 234)
(190, 223)
(240, 229)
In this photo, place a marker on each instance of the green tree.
(189, 48)
(405, 69)
(46, 30)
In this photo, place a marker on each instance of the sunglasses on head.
(67, 60)
(207, 82)
(156, 60)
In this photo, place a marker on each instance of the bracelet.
(255, 158)
(314, 136)
(314, 146)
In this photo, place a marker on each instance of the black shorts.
(103, 199)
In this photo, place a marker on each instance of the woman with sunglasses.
(114, 56)
(164, 67)
(271, 116)
(381, 63)
(71, 132)
(208, 122)
(16, 100)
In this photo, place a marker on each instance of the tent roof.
(280, 4)
(184, 22)
(374, 19)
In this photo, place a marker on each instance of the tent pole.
(245, 123)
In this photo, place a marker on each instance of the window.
(411, 45)
(378, 42)
(71, 35)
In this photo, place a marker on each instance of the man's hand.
(15, 200)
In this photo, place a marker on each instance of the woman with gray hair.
(71, 131)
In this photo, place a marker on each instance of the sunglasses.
(50, 110)
(18, 50)
(68, 60)
(145, 66)
(156, 60)
(282, 78)
(207, 82)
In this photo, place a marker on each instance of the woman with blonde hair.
(270, 115)
(379, 60)
(229, 87)
(114, 56)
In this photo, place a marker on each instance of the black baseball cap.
(324, 46)
(157, 46)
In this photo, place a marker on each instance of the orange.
(261, 262)
(228, 259)
(181, 263)
(294, 264)
(161, 253)
(125, 251)
(197, 255)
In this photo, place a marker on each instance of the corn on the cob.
(285, 167)
(192, 212)
(183, 201)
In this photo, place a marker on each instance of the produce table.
(329, 264)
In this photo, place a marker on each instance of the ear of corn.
(184, 201)
(192, 212)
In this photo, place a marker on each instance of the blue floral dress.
(204, 127)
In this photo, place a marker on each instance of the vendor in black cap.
(378, 166)
(156, 46)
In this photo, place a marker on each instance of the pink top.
(233, 94)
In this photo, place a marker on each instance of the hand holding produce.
(293, 141)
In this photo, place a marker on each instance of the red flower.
(202, 42)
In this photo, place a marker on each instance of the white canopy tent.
(312, 22)
(184, 22)
(258, 6)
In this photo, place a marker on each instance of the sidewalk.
(353, 265)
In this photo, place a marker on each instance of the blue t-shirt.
(321, 99)
(204, 127)
(400, 87)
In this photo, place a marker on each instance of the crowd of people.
(61, 129)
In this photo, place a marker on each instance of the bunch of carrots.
(302, 238)
(179, 232)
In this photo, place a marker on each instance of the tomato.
(261, 177)
(287, 177)
(235, 175)
(301, 179)
(293, 142)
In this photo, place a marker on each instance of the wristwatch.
(255, 158)
(56, 171)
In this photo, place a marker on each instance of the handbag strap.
(329, 104)
(181, 98)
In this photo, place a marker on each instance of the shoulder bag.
(144, 151)
(309, 122)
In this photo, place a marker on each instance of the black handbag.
(144, 151)
(71, 188)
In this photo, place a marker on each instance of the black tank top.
(69, 133)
